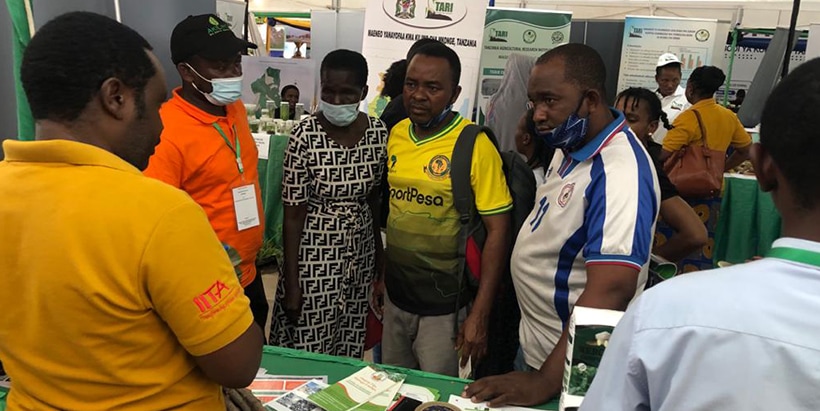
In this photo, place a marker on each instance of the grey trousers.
(420, 342)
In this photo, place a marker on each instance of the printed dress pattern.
(337, 252)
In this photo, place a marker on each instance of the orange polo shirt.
(193, 157)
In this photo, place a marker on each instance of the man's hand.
(472, 338)
(293, 303)
(515, 388)
(377, 298)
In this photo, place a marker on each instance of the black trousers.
(255, 291)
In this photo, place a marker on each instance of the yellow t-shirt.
(422, 229)
(723, 128)
(111, 281)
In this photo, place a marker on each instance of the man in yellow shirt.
(116, 293)
(422, 279)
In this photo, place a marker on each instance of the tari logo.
(426, 14)
(214, 299)
(566, 194)
(438, 168)
(498, 35)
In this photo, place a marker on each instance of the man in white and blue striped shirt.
(587, 241)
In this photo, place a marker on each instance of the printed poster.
(233, 13)
(264, 78)
(392, 26)
(521, 31)
(646, 38)
(813, 47)
(749, 52)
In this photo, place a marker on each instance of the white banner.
(392, 26)
(520, 31)
(813, 47)
(264, 78)
(233, 13)
(749, 53)
(646, 38)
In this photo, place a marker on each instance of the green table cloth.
(270, 182)
(284, 361)
(748, 222)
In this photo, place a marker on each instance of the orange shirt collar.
(64, 151)
(199, 114)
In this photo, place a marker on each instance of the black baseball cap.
(207, 36)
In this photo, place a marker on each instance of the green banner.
(20, 38)
(520, 31)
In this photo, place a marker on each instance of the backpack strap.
(461, 168)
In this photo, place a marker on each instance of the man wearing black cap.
(206, 147)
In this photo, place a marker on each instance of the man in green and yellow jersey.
(423, 327)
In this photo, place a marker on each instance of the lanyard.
(235, 148)
(796, 255)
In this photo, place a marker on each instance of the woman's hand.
(292, 303)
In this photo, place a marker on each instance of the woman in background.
(510, 102)
(723, 130)
(533, 149)
(333, 165)
(643, 113)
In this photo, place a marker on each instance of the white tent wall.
(750, 13)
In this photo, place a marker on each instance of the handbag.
(696, 170)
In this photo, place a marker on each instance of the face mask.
(225, 90)
(339, 115)
(569, 134)
(437, 119)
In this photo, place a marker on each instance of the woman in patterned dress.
(333, 166)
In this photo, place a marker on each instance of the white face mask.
(339, 115)
(225, 90)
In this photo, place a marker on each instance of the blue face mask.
(339, 115)
(569, 134)
(225, 90)
(437, 119)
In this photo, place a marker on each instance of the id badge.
(245, 207)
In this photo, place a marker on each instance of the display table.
(284, 361)
(748, 222)
(270, 182)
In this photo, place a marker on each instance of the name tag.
(262, 141)
(245, 207)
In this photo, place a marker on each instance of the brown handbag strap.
(702, 130)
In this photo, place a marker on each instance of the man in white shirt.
(742, 337)
(587, 240)
(672, 95)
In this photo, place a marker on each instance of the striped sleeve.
(623, 206)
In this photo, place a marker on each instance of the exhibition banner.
(264, 78)
(646, 38)
(520, 31)
(749, 52)
(233, 13)
(392, 26)
(813, 48)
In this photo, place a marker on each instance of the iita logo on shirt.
(214, 299)
(412, 194)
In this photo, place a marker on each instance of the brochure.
(297, 400)
(369, 389)
(589, 331)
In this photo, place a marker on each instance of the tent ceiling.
(759, 13)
